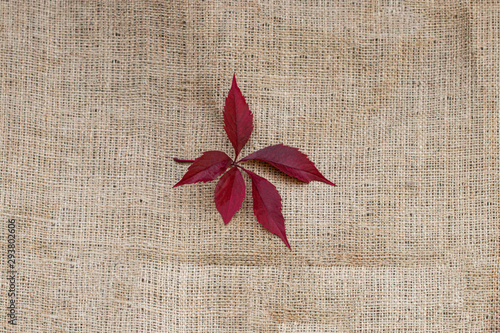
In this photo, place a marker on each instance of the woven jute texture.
(395, 101)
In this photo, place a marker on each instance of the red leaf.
(267, 206)
(230, 190)
(229, 194)
(289, 160)
(205, 168)
(237, 118)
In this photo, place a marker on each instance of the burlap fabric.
(397, 102)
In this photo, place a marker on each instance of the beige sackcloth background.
(395, 101)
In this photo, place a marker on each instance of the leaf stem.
(183, 161)
(242, 168)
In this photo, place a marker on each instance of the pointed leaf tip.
(238, 119)
(291, 161)
(229, 194)
(267, 206)
(207, 167)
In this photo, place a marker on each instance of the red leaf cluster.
(230, 190)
